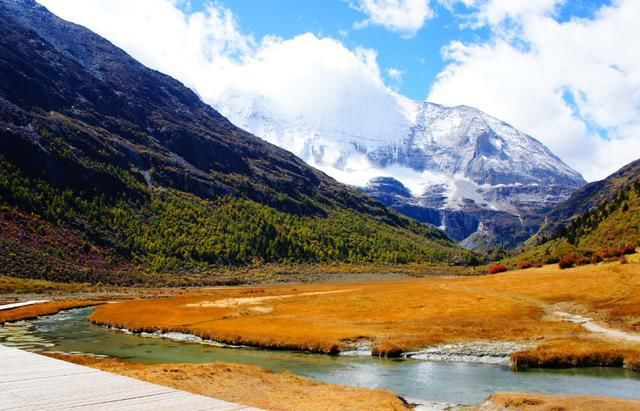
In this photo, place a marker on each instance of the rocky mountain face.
(105, 163)
(457, 168)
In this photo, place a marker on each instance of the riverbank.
(396, 317)
(258, 387)
(31, 311)
(250, 385)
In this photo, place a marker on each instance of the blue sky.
(419, 58)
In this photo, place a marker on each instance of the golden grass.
(37, 310)
(400, 315)
(540, 402)
(249, 385)
(572, 352)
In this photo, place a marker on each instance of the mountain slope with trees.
(108, 169)
(603, 214)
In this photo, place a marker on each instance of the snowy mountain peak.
(448, 158)
(358, 141)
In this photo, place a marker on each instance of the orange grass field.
(397, 316)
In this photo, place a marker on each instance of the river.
(464, 383)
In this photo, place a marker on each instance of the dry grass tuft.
(632, 361)
(563, 353)
(540, 402)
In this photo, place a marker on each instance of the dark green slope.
(602, 214)
(109, 169)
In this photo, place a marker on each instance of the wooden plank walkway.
(22, 304)
(30, 381)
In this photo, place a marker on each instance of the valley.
(499, 319)
(349, 249)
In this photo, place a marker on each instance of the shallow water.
(436, 381)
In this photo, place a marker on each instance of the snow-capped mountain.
(458, 168)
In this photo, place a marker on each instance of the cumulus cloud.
(308, 78)
(575, 85)
(402, 16)
(493, 12)
(209, 53)
(197, 48)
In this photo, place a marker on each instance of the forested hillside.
(601, 215)
(109, 169)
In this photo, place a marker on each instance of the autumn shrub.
(583, 261)
(498, 268)
(528, 264)
(567, 261)
(613, 252)
(596, 258)
(628, 249)
(610, 252)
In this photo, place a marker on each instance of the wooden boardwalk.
(30, 381)
(22, 304)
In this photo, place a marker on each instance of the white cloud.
(195, 48)
(304, 77)
(493, 12)
(574, 85)
(395, 75)
(208, 52)
(402, 16)
(524, 74)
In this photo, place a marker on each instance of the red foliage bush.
(628, 249)
(498, 268)
(611, 253)
(607, 253)
(596, 258)
(567, 261)
(528, 264)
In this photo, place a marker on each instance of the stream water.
(435, 381)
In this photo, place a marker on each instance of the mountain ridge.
(108, 169)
